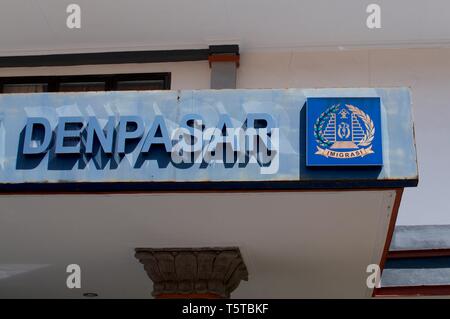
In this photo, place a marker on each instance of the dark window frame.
(53, 82)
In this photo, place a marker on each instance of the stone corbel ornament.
(193, 271)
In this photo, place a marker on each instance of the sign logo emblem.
(344, 131)
(337, 129)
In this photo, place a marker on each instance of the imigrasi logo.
(344, 127)
(254, 141)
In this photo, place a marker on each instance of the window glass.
(140, 85)
(81, 86)
(25, 88)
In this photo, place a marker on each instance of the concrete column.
(223, 61)
(193, 272)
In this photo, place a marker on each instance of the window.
(24, 87)
(81, 86)
(84, 83)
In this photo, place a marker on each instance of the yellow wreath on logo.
(368, 123)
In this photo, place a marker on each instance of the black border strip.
(104, 58)
(117, 57)
(118, 187)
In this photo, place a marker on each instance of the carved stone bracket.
(191, 271)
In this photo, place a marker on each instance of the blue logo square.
(343, 132)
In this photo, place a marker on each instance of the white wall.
(426, 71)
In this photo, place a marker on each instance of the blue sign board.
(344, 131)
(227, 137)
